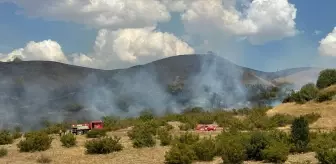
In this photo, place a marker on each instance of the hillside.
(32, 91)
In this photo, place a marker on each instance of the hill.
(32, 91)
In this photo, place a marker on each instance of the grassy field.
(155, 155)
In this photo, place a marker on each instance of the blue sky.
(16, 30)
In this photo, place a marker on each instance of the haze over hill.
(36, 90)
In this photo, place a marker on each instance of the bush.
(164, 136)
(180, 154)
(146, 115)
(188, 138)
(6, 137)
(308, 92)
(3, 152)
(276, 152)
(326, 156)
(43, 159)
(142, 134)
(205, 149)
(96, 133)
(68, 140)
(257, 143)
(326, 78)
(300, 134)
(233, 152)
(325, 96)
(281, 120)
(322, 141)
(103, 145)
(37, 141)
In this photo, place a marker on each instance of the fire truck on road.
(79, 129)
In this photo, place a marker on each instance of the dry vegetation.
(151, 155)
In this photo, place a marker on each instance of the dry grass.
(155, 155)
(327, 111)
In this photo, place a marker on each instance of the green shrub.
(308, 92)
(186, 127)
(104, 145)
(188, 138)
(300, 134)
(6, 137)
(326, 78)
(233, 152)
(146, 115)
(326, 156)
(37, 141)
(143, 139)
(180, 154)
(68, 140)
(281, 120)
(164, 136)
(322, 141)
(96, 133)
(276, 152)
(3, 152)
(205, 149)
(16, 135)
(257, 143)
(325, 96)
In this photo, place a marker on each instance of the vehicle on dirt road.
(79, 129)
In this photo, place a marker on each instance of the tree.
(326, 78)
(300, 133)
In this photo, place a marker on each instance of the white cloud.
(136, 46)
(46, 50)
(328, 44)
(112, 49)
(260, 21)
(112, 14)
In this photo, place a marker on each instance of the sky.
(266, 35)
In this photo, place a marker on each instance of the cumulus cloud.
(260, 21)
(45, 50)
(112, 49)
(328, 44)
(112, 14)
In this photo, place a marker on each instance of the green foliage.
(188, 138)
(142, 134)
(68, 140)
(234, 153)
(205, 149)
(103, 145)
(146, 115)
(307, 92)
(281, 120)
(325, 96)
(327, 156)
(300, 134)
(164, 136)
(3, 152)
(6, 137)
(35, 141)
(276, 152)
(180, 154)
(232, 147)
(257, 143)
(322, 141)
(326, 78)
(96, 133)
